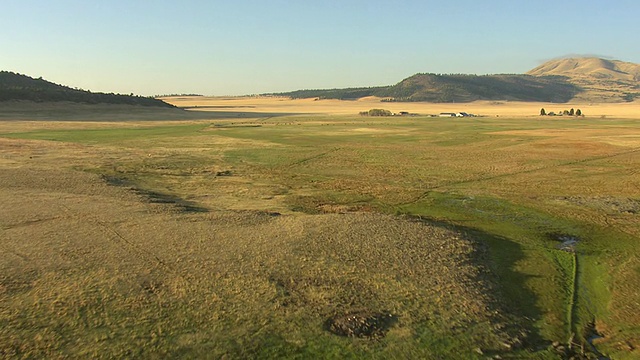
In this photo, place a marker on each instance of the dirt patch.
(361, 324)
(224, 173)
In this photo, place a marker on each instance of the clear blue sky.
(247, 46)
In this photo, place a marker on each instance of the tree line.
(565, 112)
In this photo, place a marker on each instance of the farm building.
(458, 114)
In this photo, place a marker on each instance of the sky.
(241, 47)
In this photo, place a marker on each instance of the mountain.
(21, 87)
(458, 88)
(466, 88)
(581, 79)
(591, 68)
(598, 79)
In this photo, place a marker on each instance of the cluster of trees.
(175, 95)
(340, 94)
(570, 112)
(376, 112)
(629, 97)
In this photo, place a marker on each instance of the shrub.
(376, 112)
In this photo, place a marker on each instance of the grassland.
(242, 237)
(512, 109)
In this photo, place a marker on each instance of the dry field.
(339, 107)
(226, 234)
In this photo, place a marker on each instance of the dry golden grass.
(341, 107)
(92, 270)
(589, 68)
(601, 80)
(626, 137)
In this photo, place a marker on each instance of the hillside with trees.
(22, 87)
(466, 88)
(457, 88)
(561, 80)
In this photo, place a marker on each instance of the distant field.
(245, 236)
(339, 107)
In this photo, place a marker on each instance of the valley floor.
(261, 236)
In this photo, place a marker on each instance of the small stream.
(594, 335)
(569, 243)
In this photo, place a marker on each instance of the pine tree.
(543, 112)
(578, 112)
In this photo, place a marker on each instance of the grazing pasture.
(320, 234)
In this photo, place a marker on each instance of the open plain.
(284, 105)
(263, 227)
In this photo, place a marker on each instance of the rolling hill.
(594, 68)
(22, 87)
(599, 79)
(587, 79)
(466, 88)
(457, 88)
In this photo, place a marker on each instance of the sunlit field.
(283, 105)
(272, 228)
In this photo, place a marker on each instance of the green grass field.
(515, 186)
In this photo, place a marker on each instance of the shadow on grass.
(155, 197)
(511, 300)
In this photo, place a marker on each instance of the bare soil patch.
(361, 324)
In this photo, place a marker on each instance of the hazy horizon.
(250, 47)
